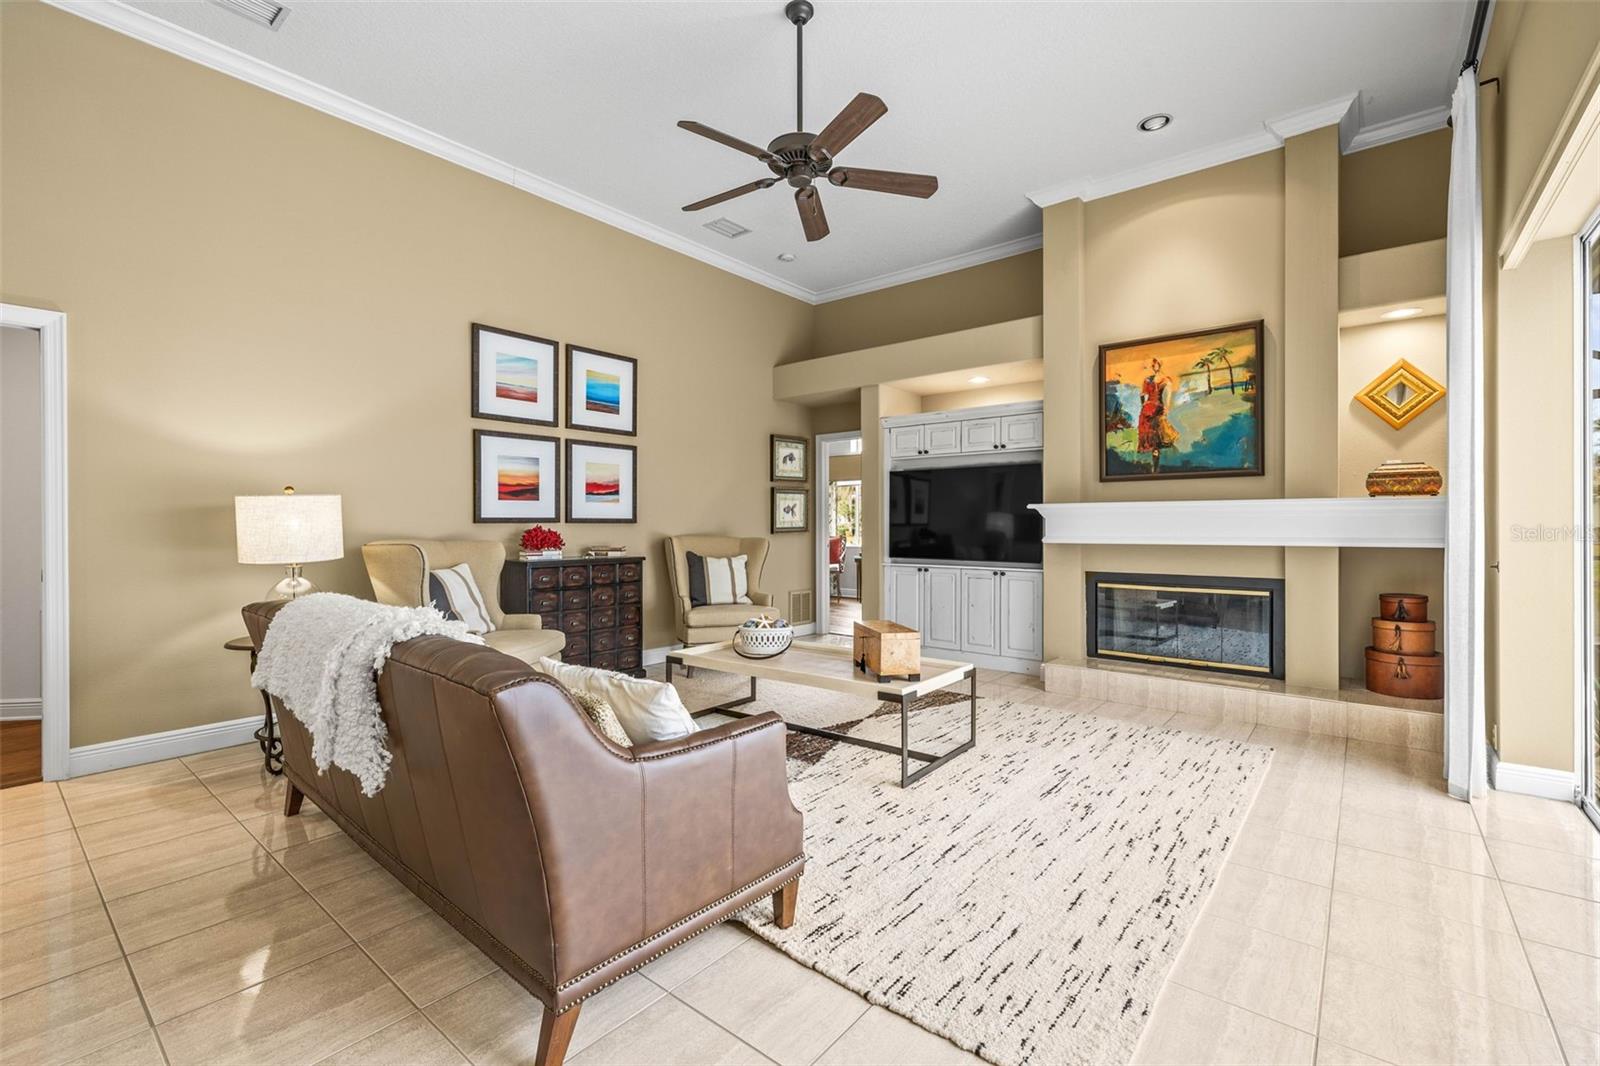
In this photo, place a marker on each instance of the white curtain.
(1466, 755)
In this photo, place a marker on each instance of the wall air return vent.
(264, 12)
(727, 227)
(801, 607)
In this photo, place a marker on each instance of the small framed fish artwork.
(602, 391)
(789, 456)
(790, 511)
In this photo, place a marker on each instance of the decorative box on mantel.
(597, 603)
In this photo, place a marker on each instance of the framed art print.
(789, 455)
(515, 377)
(516, 477)
(602, 482)
(790, 510)
(1184, 405)
(602, 391)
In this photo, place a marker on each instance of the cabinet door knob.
(1002, 445)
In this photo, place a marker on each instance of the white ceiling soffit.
(1007, 102)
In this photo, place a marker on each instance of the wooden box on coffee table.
(887, 650)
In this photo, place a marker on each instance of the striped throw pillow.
(714, 580)
(456, 595)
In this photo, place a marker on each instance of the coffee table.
(828, 666)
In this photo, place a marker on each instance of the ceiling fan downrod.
(799, 12)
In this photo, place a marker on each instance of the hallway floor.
(167, 913)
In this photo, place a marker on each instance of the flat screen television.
(967, 514)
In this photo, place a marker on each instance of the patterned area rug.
(1027, 899)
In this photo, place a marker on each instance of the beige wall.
(1365, 440)
(1364, 573)
(21, 528)
(877, 402)
(1021, 392)
(1394, 194)
(1539, 50)
(259, 294)
(991, 292)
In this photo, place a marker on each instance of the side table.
(267, 735)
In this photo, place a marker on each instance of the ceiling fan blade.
(764, 183)
(849, 124)
(723, 138)
(921, 185)
(812, 220)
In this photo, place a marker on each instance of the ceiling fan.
(802, 159)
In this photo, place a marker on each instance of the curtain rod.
(1480, 21)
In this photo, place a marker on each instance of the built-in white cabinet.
(906, 442)
(941, 608)
(983, 430)
(942, 438)
(1021, 627)
(980, 611)
(977, 611)
(1020, 432)
(980, 434)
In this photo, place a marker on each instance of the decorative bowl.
(763, 642)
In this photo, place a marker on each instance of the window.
(844, 511)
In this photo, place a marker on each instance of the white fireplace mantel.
(1342, 522)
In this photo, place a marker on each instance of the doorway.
(21, 557)
(839, 540)
(35, 714)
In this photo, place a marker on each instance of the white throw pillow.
(455, 593)
(648, 710)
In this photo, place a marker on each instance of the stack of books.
(603, 551)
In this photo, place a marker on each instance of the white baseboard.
(21, 710)
(1531, 780)
(153, 747)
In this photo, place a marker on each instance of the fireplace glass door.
(1229, 624)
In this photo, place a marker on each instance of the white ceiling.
(999, 99)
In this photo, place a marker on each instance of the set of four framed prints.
(517, 477)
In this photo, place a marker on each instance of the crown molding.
(977, 257)
(1398, 129)
(1332, 113)
(142, 26)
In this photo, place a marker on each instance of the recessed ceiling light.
(1402, 312)
(978, 379)
(1155, 122)
(785, 257)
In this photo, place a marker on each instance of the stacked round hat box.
(1402, 660)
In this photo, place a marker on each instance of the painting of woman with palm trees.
(1183, 405)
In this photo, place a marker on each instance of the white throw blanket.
(322, 656)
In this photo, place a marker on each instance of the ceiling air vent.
(727, 227)
(264, 12)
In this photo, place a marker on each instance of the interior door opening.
(839, 544)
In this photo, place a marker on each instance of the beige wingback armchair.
(399, 573)
(708, 625)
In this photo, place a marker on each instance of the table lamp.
(289, 531)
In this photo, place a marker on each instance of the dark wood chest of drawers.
(597, 603)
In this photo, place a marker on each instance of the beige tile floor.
(166, 913)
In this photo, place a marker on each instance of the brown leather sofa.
(568, 860)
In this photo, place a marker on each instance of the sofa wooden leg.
(783, 902)
(555, 1033)
(291, 800)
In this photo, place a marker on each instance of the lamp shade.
(288, 528)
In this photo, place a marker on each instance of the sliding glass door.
(1589, 703)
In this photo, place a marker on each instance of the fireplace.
(1232, 625)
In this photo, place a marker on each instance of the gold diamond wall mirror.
(1400, 394)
